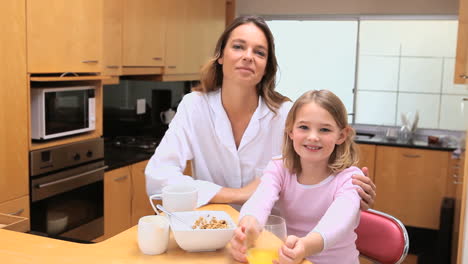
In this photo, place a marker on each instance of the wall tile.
(420, 75)
(427, 104)
(451, 115)
(376, 108)
(378, 73)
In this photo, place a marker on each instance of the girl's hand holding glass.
(292, 252)
(244, 237)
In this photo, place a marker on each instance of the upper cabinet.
(461, 63)
(144, 32)
(64, 36)
(112, 37)
(193, 27)
(13, 103)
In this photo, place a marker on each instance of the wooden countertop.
(20, 248)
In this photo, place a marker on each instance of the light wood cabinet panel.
(461, 62)
(64, 36)
(117, 201)
(112, 37)
(413, 184)
(193, 28)
(13, 102)
(367, 158)
(140, 201)
(17, 207)
(144, 31)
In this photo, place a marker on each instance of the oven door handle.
(71, 178)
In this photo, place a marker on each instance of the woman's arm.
(167, 164)
(235, 196)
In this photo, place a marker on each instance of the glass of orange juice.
(268, 243)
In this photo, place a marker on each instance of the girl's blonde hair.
(344, 155)
(211, 78)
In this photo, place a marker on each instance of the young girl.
(312, 184)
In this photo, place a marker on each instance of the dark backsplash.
(120, 107)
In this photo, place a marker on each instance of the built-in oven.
(62, 111)
(67, 192)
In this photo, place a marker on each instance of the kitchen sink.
(363, 136)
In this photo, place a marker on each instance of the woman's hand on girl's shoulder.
(367, 190)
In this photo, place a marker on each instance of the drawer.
(14, 223)
(17, 207)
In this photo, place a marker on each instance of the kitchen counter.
(395, 143)
(115, 157)
(19, 248)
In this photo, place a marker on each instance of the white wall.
(383, 7)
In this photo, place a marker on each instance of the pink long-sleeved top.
(330, 208)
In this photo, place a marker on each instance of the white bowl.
(195, 240)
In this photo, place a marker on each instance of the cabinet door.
(117, 201)
(192, 31)
(144, 32)
(140, 201)
(412, 184)
(13, 102)
(461, 62)
(64, 36)
(112, 37)
(367, 158)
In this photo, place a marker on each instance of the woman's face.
(245, 56)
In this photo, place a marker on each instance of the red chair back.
(382, 238)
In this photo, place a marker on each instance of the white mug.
(153, 234)
(177, 198)
(167, 116)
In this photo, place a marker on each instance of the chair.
(381, 238)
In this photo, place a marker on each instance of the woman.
(233, 125)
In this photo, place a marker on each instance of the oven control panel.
(69, 155)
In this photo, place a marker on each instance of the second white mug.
(177, 198)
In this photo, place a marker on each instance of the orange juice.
(262, 255)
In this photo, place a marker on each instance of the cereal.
(213, 223)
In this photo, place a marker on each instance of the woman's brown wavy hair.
(344, 155)
(211, 78)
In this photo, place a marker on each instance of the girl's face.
(315, 134)
(245, 55)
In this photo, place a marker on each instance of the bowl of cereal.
(210, 230)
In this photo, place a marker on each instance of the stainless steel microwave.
(62, 111)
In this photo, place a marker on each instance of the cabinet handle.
(464, 76)
(89, 61)
(157, 58)
(171, 67)
(112, 66)
(412, 155)
(455, 175)
(17, 212)
(121, 178)
(66, 73)
(457, 182)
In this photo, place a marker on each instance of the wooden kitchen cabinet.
(14, 103)
(193, 27)
(144, 33)
(117, 201)
(64, 36)
(112, 37)
(461, 62)
(412, 184)
(140, 201)
(367, 158)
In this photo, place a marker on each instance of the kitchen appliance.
(67, 191)
(62, 111)
(144, 144)
(161, 102)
